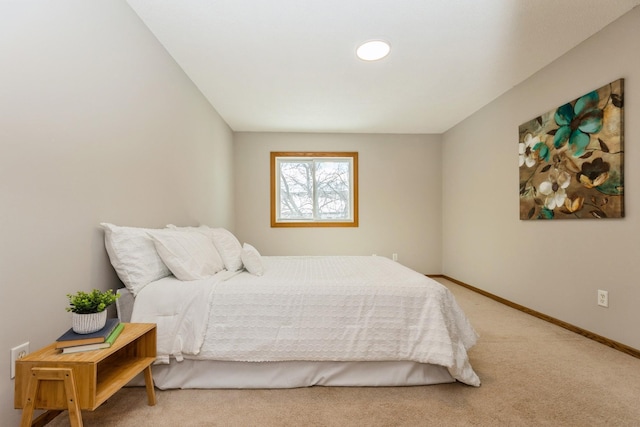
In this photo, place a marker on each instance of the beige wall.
(553, 267)
(97, 123)
(399, 194)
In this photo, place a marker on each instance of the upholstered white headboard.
(124, 305)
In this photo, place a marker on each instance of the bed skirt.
(210, 374)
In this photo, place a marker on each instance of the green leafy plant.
(92, 302)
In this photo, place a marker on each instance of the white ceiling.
(290, 65)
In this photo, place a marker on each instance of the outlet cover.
(18, 353)
(603, 298)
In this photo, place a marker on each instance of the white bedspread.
(311, 309)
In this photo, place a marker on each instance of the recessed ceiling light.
(373, 50)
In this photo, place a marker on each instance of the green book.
(116, 332)
(87, 347)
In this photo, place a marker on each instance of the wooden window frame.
(318, 223)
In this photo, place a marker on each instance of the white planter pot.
(88, 323)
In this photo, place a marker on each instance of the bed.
(255, 321)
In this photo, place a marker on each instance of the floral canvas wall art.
(571, 158)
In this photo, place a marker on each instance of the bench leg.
(151, 392)
(27, 410)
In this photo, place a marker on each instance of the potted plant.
(90, 309)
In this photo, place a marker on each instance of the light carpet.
(533, 374)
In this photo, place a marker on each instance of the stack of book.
(72, 342)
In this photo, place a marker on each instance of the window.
(314, 189)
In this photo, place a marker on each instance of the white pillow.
(252, 260)
(204, 229)
(207, 231)
(229, 248)
(189, 255)
(133, 256)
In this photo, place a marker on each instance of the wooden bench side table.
(47, 379)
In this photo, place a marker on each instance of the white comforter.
(312, 309)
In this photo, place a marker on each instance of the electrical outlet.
(18, 353)
(603, 298)
(395, 257)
